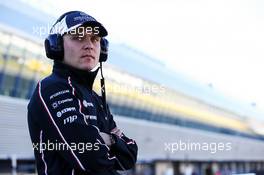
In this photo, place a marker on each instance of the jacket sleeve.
(63, 122)
(124, 148)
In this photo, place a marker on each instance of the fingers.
(106, 138)
(117, 132)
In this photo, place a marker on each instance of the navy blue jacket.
(65, 117)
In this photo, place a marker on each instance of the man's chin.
(87, 67)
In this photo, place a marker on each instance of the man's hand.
(117, 132)
(107, 138)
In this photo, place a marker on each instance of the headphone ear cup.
(104, 50)
(54, 47)
(47, 48)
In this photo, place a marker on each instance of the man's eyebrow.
(76, 34)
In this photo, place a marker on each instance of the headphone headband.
(54, 42)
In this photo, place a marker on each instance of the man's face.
(81, 50)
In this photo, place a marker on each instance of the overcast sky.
(219, 42)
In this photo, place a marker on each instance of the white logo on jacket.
(57, 103)
(70, 119)
(59, 113)
(59, 93)
(92, 117)
(86, 104)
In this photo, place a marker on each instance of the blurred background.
(183, 79)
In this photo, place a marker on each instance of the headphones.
(54, 44)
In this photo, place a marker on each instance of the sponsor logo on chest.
(87, 104)
(65, 110)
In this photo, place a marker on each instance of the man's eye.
(79, 38)
(95, 38)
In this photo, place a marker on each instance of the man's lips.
(88, 56)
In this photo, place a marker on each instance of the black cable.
(103, 93)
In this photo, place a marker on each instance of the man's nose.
(88, 44)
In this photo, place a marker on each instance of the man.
(71, 128)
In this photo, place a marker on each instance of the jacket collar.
(80, 76)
